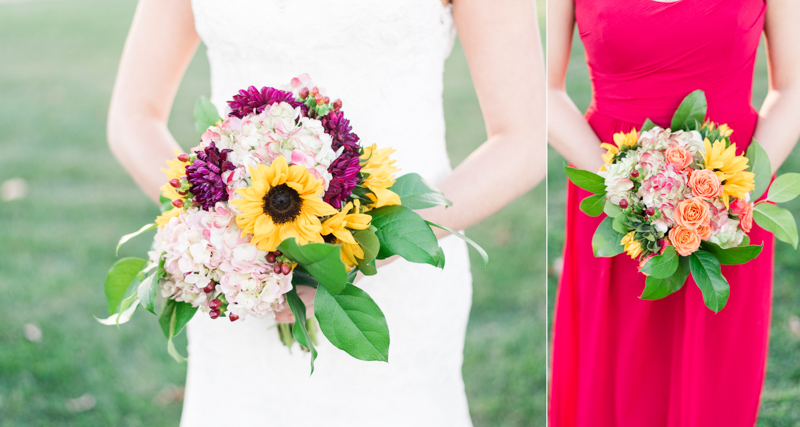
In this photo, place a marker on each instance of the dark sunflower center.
(282, 204)
(329, 238)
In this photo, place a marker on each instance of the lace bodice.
(385, 60)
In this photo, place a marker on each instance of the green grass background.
(781, 398)
(57, 66)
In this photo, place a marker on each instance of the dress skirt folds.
(618, 360)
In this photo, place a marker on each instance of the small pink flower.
(744, 211)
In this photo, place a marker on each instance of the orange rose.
(678, 156)
(746, 218)
(691, 213)
(704, 231)
(705, 183)
(685, 240)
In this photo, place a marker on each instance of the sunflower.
(336, 230)
(164, 218)
(632, 246)
(177, 170)
(282, 202)
(377, 166)
(622, 139)
(730, 169)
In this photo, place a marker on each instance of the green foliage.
(593, 205)
(125, 238)
(657, 288)
(321, 260)
(205, 115)
(732, 256)
(708, 276)
(353, 322)
(691, 113)
(589, 181)
(611, 209)
(648, 124)
(403, 232)
(174, 317)
(785, 188)
(299, 329)
(777, 220)
(370, 245)
(606, 240)
(662, 266)
(417, 193)
(477, 247)
(147, 292)
(759, 164)
(119, 280)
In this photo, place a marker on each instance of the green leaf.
(589, 181)
(369, 244)
(662, 266)
(708, 276)
(606, 241)
(440, 258)
(120, 318)
(656, 288)
(353, 322)
(127, 237)
(593, 205)
(648, 124)
(785, 188)
(205, 115)
(611, 209)
(619, 224)
(416, 193)
(147, 292)
(760, 166)
(732, 256)
(777, 220)
(119, 279)
(469, 241)
(321, 260)
(691, 112)
(173, 319)
(403, 232)
(299, 329)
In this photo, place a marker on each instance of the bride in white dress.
(385, 60)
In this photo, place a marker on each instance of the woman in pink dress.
(618, 360)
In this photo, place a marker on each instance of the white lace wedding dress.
(385, 60)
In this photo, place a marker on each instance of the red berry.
(278, 253)
(337, 105)
(183, 157)
(214, 303)
(233, 317)
(304, 93)
(209, 288)
(183, 193)
(650, 211)
(314, 92)
(285, 269)
(326, 100)
(271, 258)
(634, 173)
(277, 268)
(175, 182)
(319, 98)
(623, 203)
(214, 314)
(178, 203)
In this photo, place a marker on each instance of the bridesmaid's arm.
(508, 74)
(567, 130)
(160, 45)
(779, 119)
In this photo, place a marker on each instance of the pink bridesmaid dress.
(618, 360)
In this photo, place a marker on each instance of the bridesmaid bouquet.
(680, 200)
(279, 193)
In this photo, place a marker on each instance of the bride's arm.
(567, 130)
(502, 46)
(160, 45)
(779, 119)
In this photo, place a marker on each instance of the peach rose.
(704, 231)
(678, 156)
(685, 240)
(705, 183)
(744, 211)
(691, 213)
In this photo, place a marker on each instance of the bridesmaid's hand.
(307, 295)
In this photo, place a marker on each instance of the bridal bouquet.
(680, 200)
(279, 193)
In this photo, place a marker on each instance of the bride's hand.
(307, 295)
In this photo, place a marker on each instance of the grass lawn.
(59, 60)
(779, 406)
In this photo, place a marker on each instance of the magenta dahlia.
(253, 100)
(205, 176)
(346, 167)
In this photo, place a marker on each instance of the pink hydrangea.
(663, 191)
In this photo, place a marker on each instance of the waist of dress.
(637, 110)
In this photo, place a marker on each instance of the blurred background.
(779, 401)
(65, 202)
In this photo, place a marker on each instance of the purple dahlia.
(346, 167)
(205, 176)
(253, 100)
